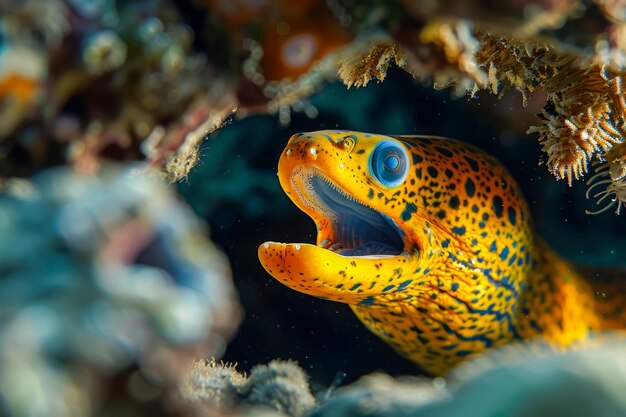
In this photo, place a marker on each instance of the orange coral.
(290, 48)
(19, 87)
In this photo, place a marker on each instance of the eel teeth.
(325, 243)
(336, 247)
(340, 191)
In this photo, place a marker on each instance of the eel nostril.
(312, 151)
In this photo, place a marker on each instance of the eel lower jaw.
(322, 273)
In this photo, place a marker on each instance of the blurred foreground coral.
(277, 389)
(515, 380)
(107, 281)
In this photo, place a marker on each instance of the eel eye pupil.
(347, 143)
(392, 163)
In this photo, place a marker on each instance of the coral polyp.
(585, 113)
(615, 192)
(608, 185)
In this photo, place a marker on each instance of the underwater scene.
(313, 208)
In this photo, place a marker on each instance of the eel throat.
(355, 229)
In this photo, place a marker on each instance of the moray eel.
(430, 243)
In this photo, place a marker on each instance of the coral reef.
(359, 70)
(212, 383)
(149, 80)
(110, 287)
(585, 111)
(102, 274)
(280, 385)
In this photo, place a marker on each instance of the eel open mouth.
(356, 229)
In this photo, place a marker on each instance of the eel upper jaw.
(346, 225)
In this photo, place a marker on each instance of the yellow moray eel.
(429, 241)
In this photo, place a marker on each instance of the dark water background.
(235, 189)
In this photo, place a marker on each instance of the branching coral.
(587, 118)
(514, 64)
(149, 87)
(585, 110)
(585, 114)
(359, 69)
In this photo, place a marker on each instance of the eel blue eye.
(392, 163)
(389, 163)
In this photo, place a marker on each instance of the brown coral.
(456, 42)
(585, 110)
(512, 63)
(588, 118)
(365, 65)
(585, 114)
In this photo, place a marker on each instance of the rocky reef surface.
(511, 381)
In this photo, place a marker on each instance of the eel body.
(429, 241)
